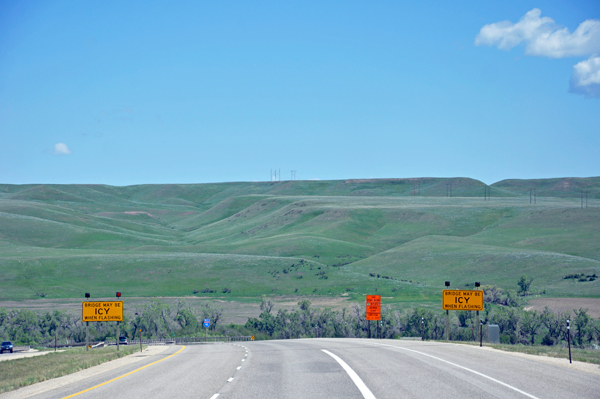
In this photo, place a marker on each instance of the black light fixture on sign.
(447, 283)
(87, 294)
(477, 284)
(118, 295)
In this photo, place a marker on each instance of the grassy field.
(300, 238)
(26, 371)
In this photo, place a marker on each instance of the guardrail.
(21, 348)
(188, 340)
(164, 341)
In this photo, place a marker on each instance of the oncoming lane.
(194, 371)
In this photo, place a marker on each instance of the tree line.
(515, 324)
(159, 320)
(156, 320)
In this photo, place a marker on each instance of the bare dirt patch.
(564, 304)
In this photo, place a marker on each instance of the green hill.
(297, 238)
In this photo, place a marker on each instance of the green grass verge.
(26, 371)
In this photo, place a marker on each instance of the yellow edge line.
(124, 375)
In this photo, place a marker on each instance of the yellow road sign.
(462, 300)
(102, 311)
(252, 338)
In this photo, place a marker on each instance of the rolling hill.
(242, 240)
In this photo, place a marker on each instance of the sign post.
(460, 300)
(118, 326)
(206, 325)
(101, 311)
(373, 309)
(477, 285)
(480, 334)
(569, 339)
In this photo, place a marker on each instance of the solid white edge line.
(462, 367)
(364, 390)
(229, 380)
(214, 396)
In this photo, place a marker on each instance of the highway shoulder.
(35, 389)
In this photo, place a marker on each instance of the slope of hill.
(297, 238)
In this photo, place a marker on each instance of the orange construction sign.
(373, 307)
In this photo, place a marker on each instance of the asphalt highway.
(334, 368)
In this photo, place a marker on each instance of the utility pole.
(586, 193)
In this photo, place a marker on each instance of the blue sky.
(192, 92)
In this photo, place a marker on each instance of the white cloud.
(507, 35)
(542, 36)
(560, 43)
(61, 149)
(586, 78)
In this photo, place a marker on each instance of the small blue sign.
(206, 323)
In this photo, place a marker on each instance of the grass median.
(26, 371)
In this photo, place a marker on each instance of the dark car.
(7, 346)
(123, 340)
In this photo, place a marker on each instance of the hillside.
(297, 238)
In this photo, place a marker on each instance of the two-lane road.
(335, 368)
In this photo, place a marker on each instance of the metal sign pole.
(87, 335)
(569, 339)
(369, 323)
(480, 334)
(477, 311)
(447, 325)
(118, 333)
(141, 350)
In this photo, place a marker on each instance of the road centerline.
(124, 375)
(362, 387)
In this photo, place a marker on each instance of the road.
(334, 368)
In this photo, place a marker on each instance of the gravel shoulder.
(579, 366)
